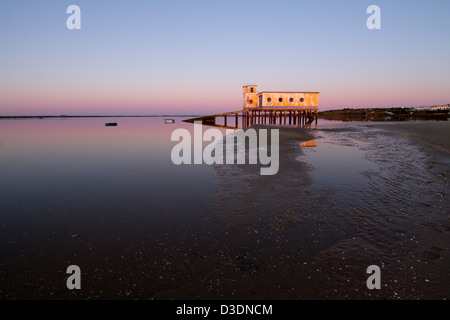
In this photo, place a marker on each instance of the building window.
(250, 101)
(280, 99)
(251, 89)
(302, 99)
(269, 99)
(291, 99)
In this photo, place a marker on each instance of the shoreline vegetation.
(383, 114)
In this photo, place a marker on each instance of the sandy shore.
(435, 134)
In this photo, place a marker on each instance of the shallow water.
(110, 200)
(77, 192)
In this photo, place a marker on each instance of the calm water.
(109, 200)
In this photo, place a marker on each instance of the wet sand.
(435, 134)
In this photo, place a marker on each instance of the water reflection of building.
(309, 143)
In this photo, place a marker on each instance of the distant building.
(434, 108)
(279, 99)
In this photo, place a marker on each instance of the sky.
(193, 57)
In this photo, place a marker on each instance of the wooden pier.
(282, 116)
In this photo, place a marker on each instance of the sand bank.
(435, 134)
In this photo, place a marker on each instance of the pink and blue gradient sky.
(192, 57)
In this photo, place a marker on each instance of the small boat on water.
(169, 120)
(111, 124)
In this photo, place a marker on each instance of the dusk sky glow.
(192, 57)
